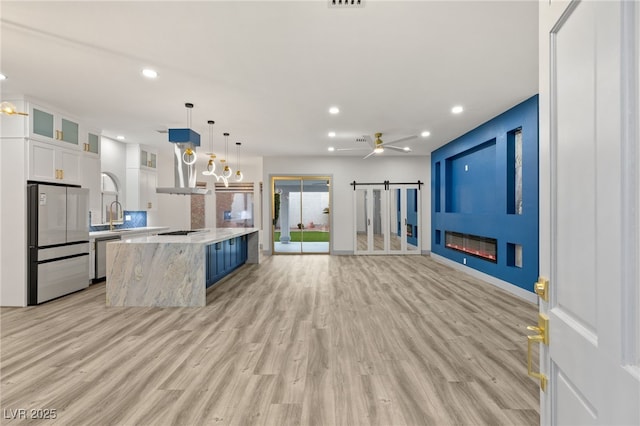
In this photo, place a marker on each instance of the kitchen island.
(175, 270)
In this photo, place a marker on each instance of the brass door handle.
(541, 336)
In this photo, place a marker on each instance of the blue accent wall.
(472, 192)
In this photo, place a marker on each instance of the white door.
(589, 194)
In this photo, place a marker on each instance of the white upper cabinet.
(91, 142)
(50, 163)
(49, 126)
(142, 178)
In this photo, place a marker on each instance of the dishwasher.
(101, 257)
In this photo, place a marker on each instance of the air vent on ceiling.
(361, 140)
(345, 4)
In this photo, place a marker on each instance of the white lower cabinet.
(51, 163)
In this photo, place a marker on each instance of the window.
(234, 205)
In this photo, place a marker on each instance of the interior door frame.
(301, 178)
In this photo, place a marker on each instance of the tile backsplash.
(132, 219)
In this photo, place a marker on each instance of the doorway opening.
(301, 214)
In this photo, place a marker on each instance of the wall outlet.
(466, 167)
(127, 217)
(464, 260)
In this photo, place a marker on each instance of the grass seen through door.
(306, 236)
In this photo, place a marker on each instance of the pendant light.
(227, 170)
(211, 165)
(186, 138)
(238, 172)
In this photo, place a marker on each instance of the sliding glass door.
(301, 214)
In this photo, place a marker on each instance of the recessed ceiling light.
(332, 134)
(120, 137)
(457, 109)
(331, 149)
(3, 77)
(334, 110)
(406, 149)
(425, 134)
(149, 73)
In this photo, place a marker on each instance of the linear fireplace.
(482, 247)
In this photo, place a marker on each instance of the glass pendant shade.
(239, 176)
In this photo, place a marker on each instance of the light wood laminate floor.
(311, 340)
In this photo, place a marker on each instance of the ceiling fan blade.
(397, 148)
(368, 155)
(400, 140)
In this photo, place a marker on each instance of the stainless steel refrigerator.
(58, 236)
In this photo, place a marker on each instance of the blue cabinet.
(224, 257)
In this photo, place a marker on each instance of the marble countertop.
(127, 231)
(209, 236)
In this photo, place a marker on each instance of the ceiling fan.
(378, 146)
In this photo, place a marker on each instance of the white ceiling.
(267, 72)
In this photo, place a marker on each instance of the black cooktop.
(179, 232)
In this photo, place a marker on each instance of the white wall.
(343, 171)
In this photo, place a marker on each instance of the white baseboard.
(513, 289)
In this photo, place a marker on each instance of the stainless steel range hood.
(185, 174)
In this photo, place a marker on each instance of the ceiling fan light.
(406, 149)
(378, 150)
(331, 149)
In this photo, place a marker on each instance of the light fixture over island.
(175, 270)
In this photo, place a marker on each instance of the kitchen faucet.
(117, 203)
